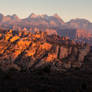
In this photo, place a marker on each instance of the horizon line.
(20, 17)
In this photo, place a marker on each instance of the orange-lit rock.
(46, 46)
(32, 50)
(0, 35)
(23, 44)
(51, 31)
(51, 57)
(15, 54)
(27, 50)
(7, 36)
(14, 38)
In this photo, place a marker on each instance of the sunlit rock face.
(23, 50)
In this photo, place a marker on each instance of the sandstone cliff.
(27, 51)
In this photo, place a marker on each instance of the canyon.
(31, 62)
(27, 51)
(44, 53)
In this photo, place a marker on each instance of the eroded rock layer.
(27, 51)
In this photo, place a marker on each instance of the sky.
(66, 9)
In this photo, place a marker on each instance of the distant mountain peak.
(32, 15)
(45, 20)
(13, 17)
(80, 20)
(1, 14)
(1, 17)
(56, 15)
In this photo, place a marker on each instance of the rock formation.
(23, 50)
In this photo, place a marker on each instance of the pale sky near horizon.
(66, 9)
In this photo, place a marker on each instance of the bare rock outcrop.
(27, 51)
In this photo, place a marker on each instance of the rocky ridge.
(75, 29)
(23, 50)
